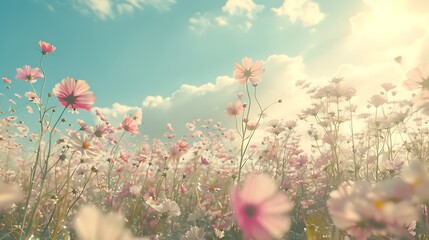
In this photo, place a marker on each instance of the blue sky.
(129, 50)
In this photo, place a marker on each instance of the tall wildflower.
(248, 70)
(74, 94)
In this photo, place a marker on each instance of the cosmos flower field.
(338, 170)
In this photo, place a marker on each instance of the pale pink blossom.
(29, 109)
(28, 74)
(388, 86)
(248, 70)
(363, 210)
(170, 127)
(167, 207)
(6, 80)
(138, 116)
(204, 161)
(130, 125)
(74, 94)
(260, 210)
(377, 100)
(234, 109)
(32, 97)
(418, 77)
(46, 47)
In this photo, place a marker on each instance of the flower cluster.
(344, 168)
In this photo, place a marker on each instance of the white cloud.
(162, 5)
(104, 9)
(237, 7)
(391, 28)
(101, 8)
(125, 8)
(364, 58)
(306, 11)
(118, 111)
(221, 21)
(156, 101)
(50, 8)
(199, 22)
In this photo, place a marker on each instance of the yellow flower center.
(86, 145)
(378, 204)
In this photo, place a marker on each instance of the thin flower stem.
(42, 183)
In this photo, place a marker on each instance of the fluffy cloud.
(101, 8)
(237, 7)
(116, 113)
(104, 9)
(221, 21)
(364, 58)
(389, 29)
(199, 22)
(306, 11)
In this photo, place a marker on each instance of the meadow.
(337, 171)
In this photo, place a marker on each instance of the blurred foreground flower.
(74, 94)
(260, 210)
(364, 210)
(248, 71)
(28, 74)
(91, 224)
(9, 194)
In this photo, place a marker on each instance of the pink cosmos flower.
(6, 80)
(418, 77)
(364, 210)
(28, 74)
(130, 125)
(46, 47)
(74, 94)
(29, 109)
(234, 109)
(260, 210)
(32, 97)
(170, 127)
(248, 71)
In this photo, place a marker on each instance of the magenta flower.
(46, 47)
(260, 210)
(248, 71)
(28, 74)
(74, 94)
